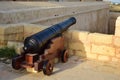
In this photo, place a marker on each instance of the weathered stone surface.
(68, 34)
(12, 32)
(91, 56)
(117, 27)
(80, 54)
(12, 37)
(2, 29)
(100, 38)
(79, 35)
(32, 70)
(14, 29)
(15, 37)
(3, 43)
(76, 46)
(103, 58)
(30, 29)
(117, 41)
(117, 31)
(71, 52)
(118, 52)
(67, 37)
(87, 48)
(14, 44)
(118, 21)
(3, 37)
(103, 49)
(114, 59)
(17, 45)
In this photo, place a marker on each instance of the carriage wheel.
(16, 63)
(64, 56)
(48, 67)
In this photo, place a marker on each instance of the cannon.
(40, 49)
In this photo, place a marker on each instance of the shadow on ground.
(72, 62)
(8, 73)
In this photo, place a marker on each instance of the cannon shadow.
(73, 61)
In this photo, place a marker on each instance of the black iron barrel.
(35, 42)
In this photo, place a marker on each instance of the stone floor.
(74, 69)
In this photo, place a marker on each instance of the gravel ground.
(74, 69)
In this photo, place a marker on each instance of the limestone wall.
(98, 46)
(17, 32)
(91, 16)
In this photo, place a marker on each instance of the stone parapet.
(97, 46)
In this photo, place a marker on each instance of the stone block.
(15, 37)
(114, 59)
(103, 49)
(80, 54)
(32, 70)
(100, 38)
(17, 45)
(76, 46)
(71, 52)
(117, 41)
(79, 35)
(117, 27)
(12, 32)
(91, 56)
(3, 43)
(67, 37)
(3, 37)
(14, 28)
(103, 58)
(87, 48)
(14, 44)
(118, 52)
(2, 29)
(30, 29)
(68, 34)
(118, 21)
(117, 31)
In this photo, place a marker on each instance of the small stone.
(2, 59)
(7, 61)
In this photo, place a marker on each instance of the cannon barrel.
(36, 42)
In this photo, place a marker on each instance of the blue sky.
(118, 1)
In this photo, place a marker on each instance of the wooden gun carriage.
(42, 48)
